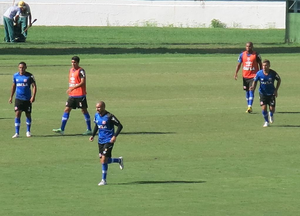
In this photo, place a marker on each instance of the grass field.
(188, 145)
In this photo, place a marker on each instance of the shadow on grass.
(146, 133)
(287, 112)
(162, 182)
(123, 133)
(59, 135)
(139, 50)
(287, 126)
(5, 118)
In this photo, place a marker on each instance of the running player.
(104, 125)
(267, 91)
(251, 62)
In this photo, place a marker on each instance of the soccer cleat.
(249, 110)
(271, 119)
(121, 163)
(88, 132)
(15, 136)
(28, 134)
(103, 182)
(58, 131)
(266, 124)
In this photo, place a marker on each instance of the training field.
(189, 148)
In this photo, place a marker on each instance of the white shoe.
(271, 119)
(15, 136)
(121, 163)
(103, 182)
(266, 124)
(28, 134)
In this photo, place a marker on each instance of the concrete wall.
(194, 14)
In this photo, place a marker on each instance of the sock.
(113, 160)
(28, 123)
(247, 97)
(88, 121)
(17, 125)
(251, 98)
(265, 115)
(64, 120)
(104, 170)
(271, 114)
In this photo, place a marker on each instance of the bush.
(217, 24)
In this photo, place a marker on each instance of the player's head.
(249, 46)
(22, 67)
(75, 61)
(266, 65)
(100, 107)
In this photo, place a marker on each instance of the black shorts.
(247, 83)
(77, 103)
(21, 105)
(105, 149)
(267, 100)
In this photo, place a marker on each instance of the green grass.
(115, 40)
(189, 146)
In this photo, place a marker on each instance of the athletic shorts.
(267, 100)
(105, 149)
(247, 83)
(77, 103)
(21, 105)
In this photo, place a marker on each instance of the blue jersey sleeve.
(240, 59)
(256, 78)
(277, 77)
(14, 78)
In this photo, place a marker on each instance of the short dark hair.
(267, 61)
(250, 43)
(23, 63)
(76, 59)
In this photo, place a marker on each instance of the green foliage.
(215, 23)
(188, 145)
(150, 24)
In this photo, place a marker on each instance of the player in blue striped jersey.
(105, 123)
(22, 81)
(267, 90)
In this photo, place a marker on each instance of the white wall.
(247, 14)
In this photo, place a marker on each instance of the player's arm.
(253, 87)
(34, 91)
(238, 66)
(13, 90)
(237, 70)
(277, 85)
(258, 59)
(117, 123)
(94, 133)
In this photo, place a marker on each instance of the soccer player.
(267, 90)
(22, 81)
(251, 62)
(104, 125)
(77, 96)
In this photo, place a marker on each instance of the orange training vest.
(74, 79)
(250, 65)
